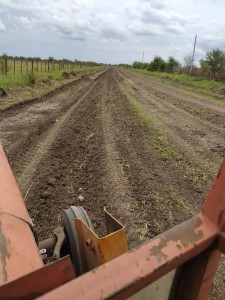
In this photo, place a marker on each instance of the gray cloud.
(2, 26)
(119, 28)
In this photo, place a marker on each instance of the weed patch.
(151, 133)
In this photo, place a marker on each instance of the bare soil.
(86, 141)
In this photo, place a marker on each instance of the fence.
(9, 66)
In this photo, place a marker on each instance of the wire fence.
(13, 66)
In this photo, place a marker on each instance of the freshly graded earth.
(146, 151)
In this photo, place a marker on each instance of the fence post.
(32, 66)
(37, 65)
(27, 65)
(21, 66)
(6, 66)
(14, 66)
(41, 65)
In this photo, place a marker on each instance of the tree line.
(211, 67)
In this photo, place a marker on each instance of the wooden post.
(6, 66)
(14, 66)
(21, 66)
(32, 66)
(37, 65)
(27, 65)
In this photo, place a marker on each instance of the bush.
(31, 78)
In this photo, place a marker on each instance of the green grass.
(13, 80)
(21, 88)
(193, 80)
(152, 135)
(23, 80)
(198, 85)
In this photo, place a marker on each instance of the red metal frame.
(18, 249)
(193, 247)
(39, 281)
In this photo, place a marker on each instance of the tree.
(145, 66)
(171, 64)
(205, 68)
(137, 65)
(215, 62)
(157, 64)
(187, 61)
(4, 55)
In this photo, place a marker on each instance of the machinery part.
(17, 256)
(39, 281)
(52, 246)
(96, 251)
(46, 247)
(68, 216)
(60, 235)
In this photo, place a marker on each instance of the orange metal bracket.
(96, 251)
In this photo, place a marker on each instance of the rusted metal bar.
(194, 280)
(40, 281)
(18, 250)
(214, 207)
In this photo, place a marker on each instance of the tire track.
(37, 154)
(122, 203)
(199, 140)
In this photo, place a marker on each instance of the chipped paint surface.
(190, 236)
(4, 252)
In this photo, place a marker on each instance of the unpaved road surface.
(85, 146)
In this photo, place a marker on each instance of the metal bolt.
(90, 244)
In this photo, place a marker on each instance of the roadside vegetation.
(23, 79)
(207, 79)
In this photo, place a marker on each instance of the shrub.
(31, 78)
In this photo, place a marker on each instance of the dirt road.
(86, 146)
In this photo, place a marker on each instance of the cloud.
(209, 42)
(2, 26)
(159, 27)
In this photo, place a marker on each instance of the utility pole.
(142, 58)
(193, 55)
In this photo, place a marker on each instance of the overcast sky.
(111, 31)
